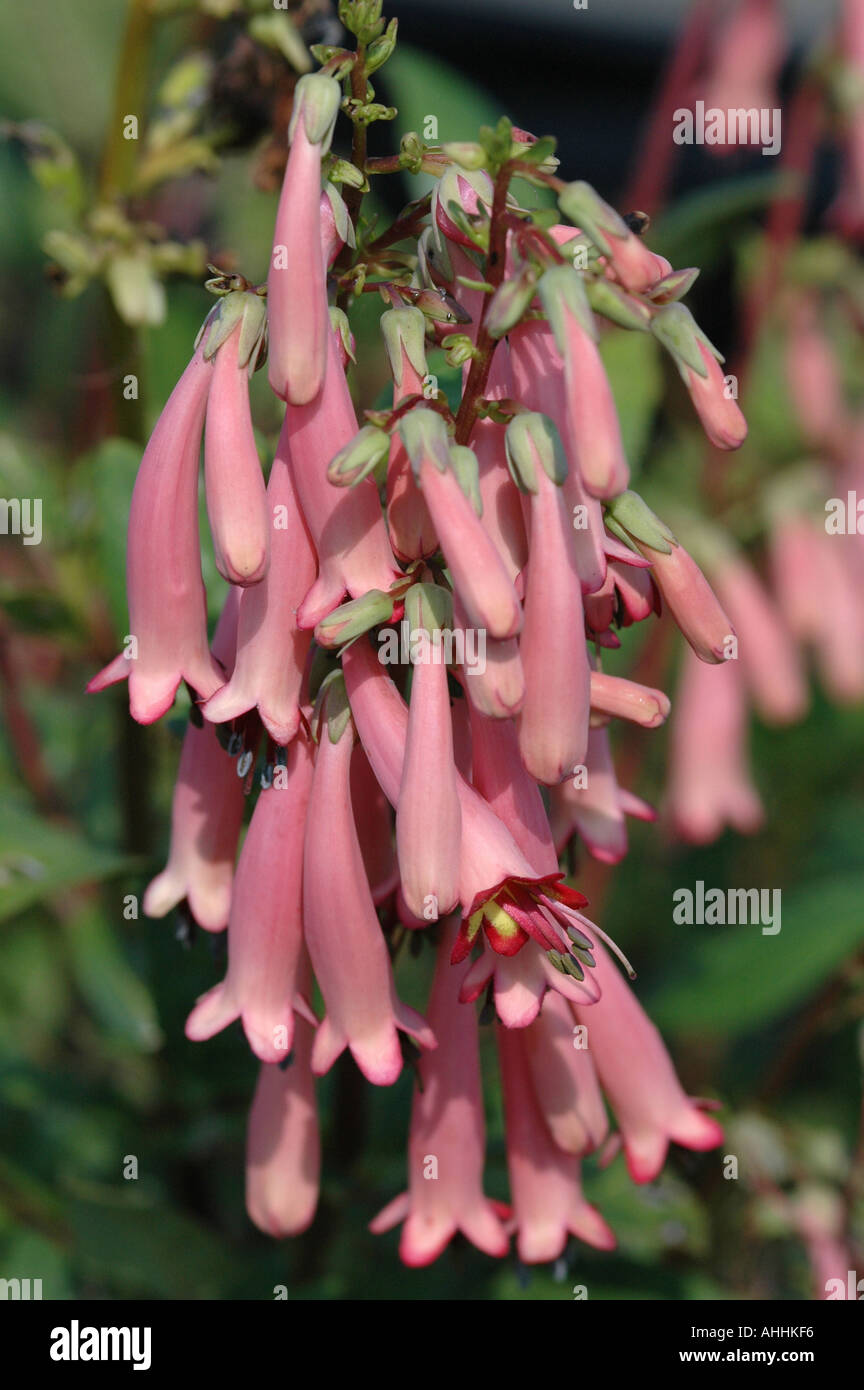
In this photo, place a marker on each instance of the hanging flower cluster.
(413, 643)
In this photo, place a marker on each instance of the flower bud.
(367, 450)
(532, 439)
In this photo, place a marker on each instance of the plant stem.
(496, 262)
(130, 93)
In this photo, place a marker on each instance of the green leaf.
(38, 859)
(731, 979)
(120, 1001)
(699, 226)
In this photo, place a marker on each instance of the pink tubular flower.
(624, 699)
(539, 382)
(428, 818)
(639, 1079)
(772, 667)
(548, 1204)
(719, 412)
(346, 524)
(816, 592)
(564, 1080)
(447, 1129)
(553, 721)
(271, 649)
(691, 601)
(813, 376)
(296, 285)
(593, 417)
(747, 59)
(502, 508)
(167, 602)
(349, 954)
(408, 521)
(236, 501)
(265, 929)
(595, 809)
(283, 1146)
(480, 576)
(709, 783)
(206, 815)
(374, 829)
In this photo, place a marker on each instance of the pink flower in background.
(448, 1135)
(709, 783)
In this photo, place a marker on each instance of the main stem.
(496, 264)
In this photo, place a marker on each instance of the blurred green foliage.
(94, 1066)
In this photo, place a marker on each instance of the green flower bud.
(405, 332)
(466, 153)
(250, 312)
(680, 334)
(511, 300)
(424, 434)
(317, 100)
(562, 292)
(350, 621)
(531, 439)
(587, 210)
(332, 709)
(429, 607)
(467, 471)
(635, 518)
(360, 457)
(615, 304)
(381, 49)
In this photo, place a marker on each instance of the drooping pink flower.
(346, 944)
(347, 526)
(816, 591)
(167, 602)
(813, 376)
(428, 818)
(545, 1185)
(625, 699)
(206, 814)
(539, 383)
(234, 483)
(691, 601)
(480, 576)
(271, 649)
(715, 404)
(747, 58)
(265, 927)
(638, 1077)
(448, 1134)
(374, 829)
(564, 1079)
(283, 1145)
(594, 806)
(770, 661)
(296, 283)
(496, 685)
(412, 533)
(553, 720)
(709, 779)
